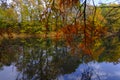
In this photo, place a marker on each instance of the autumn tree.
(75, 20)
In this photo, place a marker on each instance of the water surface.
(46, 59)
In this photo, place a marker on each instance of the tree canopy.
(70, 19)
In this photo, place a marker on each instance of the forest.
(71, 20)
(72, 32)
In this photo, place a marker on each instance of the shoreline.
(25, 35)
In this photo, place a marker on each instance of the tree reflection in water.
(44, 59)
(38, 59)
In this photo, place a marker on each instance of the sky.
(98, 2)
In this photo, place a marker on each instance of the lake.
(48, 59)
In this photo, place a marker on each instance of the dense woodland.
(72, 20)
(36, 16)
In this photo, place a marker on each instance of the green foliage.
(112, 15)
(36, 15)
(8, 17)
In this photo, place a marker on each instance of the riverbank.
(28, 35)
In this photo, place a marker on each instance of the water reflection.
(40, 59)
(94, 71)
(8, 73)
(45, 59)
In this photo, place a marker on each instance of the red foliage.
(91, 34)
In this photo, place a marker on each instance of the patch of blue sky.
(98, 2)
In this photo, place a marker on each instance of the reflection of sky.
(104, 71)
(8, 73)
